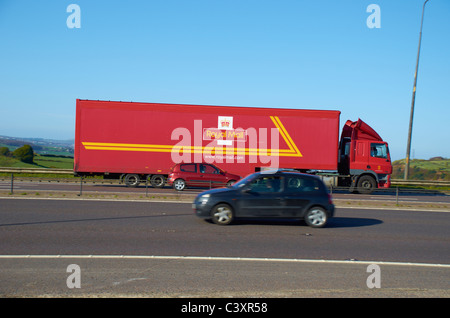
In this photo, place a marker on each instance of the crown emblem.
(225, 123)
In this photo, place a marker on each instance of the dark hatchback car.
(279, 194)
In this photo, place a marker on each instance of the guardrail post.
(396, 196)
(12, 183)
(81, 186)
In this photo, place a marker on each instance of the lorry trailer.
(134, 142)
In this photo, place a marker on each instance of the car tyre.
(222, 214)
(316, 217)
(230, 183)
(179, 184)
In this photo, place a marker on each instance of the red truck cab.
(365, 157)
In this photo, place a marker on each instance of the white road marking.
(212, 258)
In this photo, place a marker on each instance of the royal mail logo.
(219, 134)
(225, 122)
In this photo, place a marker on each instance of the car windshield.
(243, 181)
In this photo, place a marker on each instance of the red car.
(199, 175)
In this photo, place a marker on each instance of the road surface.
(157, 249)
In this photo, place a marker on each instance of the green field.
(40, 161)
(437, 168)
(54, 162)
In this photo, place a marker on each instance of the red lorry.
(134, 141)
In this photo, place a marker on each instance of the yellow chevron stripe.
(286, 135)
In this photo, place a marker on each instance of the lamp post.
(408, 148)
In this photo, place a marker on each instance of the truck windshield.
(379, 150)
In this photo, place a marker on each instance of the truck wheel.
(222, 214)
(179, 184)
(157, 181)
(316, 217)
(366, 184)
(132, 180)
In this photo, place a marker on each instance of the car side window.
(189, 167)
(299, 184)
(208, 169)
(266, 184)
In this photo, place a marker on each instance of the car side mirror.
(246, 190)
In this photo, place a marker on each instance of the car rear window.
(190, 167)
(301, 184)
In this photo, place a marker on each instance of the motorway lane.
(187, 278)
(82, 227)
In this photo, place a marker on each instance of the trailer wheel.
(157, 181)
(132, 180)
(179, 184)
(366, 184)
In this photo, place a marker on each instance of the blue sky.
(263, 53)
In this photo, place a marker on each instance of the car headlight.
(204, 198)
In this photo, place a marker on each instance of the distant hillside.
(437, 168)
(40, 145)
(40, 161)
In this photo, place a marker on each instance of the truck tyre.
(316, 217)
(366, 184)
(132, 180)
(222, 214)
(157, 181)
(179, 184)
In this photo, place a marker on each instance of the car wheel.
(222, 214)
(230, 183)
(316, 217)
(179, 184)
